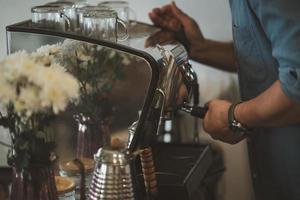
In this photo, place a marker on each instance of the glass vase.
(36, 183)
(92, 134)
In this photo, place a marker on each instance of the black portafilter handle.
(195, 111)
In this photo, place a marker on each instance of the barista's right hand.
(170, 17)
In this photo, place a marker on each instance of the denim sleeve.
(280, 20)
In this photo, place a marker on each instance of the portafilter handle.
(195, 111)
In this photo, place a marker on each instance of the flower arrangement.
(97, 69)
(34, 88)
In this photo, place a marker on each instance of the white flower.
(49, 49)
(46, 54)
(82, 56)
(19, 106)
(55, 77)
(10, 66)
(7, 92)
(29, 95)
(41, 85)
(51, 96)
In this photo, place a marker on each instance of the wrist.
(248, 115)
(198, 48)
(238, 113)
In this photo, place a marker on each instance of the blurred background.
(214, 19)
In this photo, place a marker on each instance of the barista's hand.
(161, 38)
(216, 122)
(170, 17)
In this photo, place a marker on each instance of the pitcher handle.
(125, 35)
(67, 20)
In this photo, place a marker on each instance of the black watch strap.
(231, 117)
(235, 125)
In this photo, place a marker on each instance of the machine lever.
(195, 111)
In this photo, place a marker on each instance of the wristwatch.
(234, 125)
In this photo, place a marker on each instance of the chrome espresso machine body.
(157, 83)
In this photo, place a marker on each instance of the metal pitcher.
(111, 177)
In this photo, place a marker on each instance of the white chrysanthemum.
(28, 69)
(46, 54)
(49, 49)
(28, 97)
(40, 87)
(45, 60)
(82, 56)
(10, 66)
(57, 87)
(20, 106)
(7, 92)
(50, 96)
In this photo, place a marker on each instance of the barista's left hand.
(216, 122)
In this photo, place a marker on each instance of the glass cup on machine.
(103, 24)
(80, 12)
(50, 17)
(122, 8)
(69, 11)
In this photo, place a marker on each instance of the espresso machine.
(157, 86)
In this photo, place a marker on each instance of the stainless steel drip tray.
(180, 170)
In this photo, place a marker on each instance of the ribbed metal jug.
(112, 176)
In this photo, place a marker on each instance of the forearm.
(216, 54)
(272, 108)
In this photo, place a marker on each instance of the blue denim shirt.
(267, 44)
(267, 41)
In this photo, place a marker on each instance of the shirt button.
(254, 175)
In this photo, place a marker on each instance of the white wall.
(214, 19)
